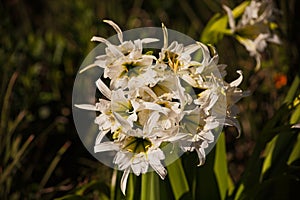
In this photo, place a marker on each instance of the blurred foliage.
(41, 157)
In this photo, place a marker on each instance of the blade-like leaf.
(220, 166)
(150, 186)
(177, 179)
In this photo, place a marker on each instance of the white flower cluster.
(153, 100)
(254, 27)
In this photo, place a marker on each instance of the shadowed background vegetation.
(42, 45)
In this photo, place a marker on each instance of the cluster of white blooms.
(254, 28)
(153, 100)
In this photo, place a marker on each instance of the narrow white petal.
(124, 180)
(231, 121)
(115, 51)
(124, 123)
(191, 48)
(117, 28)
(178, 136)
(194, 63)
(103, 88)
(165, 32)
(153, 106)
(150, 124)
(238, 81)
(149, 40)
(100, 39)
(230, 17)
(189, 80)
(275, 39)
(206, 54)
(159, 169)
(106, 146)
(296, 126)
(100, 136)
(100, 63)
(201, 155)
(87, 107)
(88, 67)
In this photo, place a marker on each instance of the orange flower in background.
(280, 80)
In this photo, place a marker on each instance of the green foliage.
(217, 26)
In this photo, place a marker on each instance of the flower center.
(131, 69)
(136, 144)
(172, 60)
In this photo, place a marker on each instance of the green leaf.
(239, 10)
(214, 30)
(150, 186)
(220, 166)
(239, 191)
(130, 187)
(296, 115)
(217, 25)
(268, 153)
(177, 179)
(292, 91)
(295, 155)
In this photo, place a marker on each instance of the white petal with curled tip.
(165, 32)
(238, 81)
(87, 107)
(100, 136)
(100, 39)
(230, 17)
(117, 29)
(231, 121)
(124, 180)
(103, 88)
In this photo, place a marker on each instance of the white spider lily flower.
(213, 90)
(176, 56)
(253, 30)
(122, 60)
(138, 150)
(197, 128)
